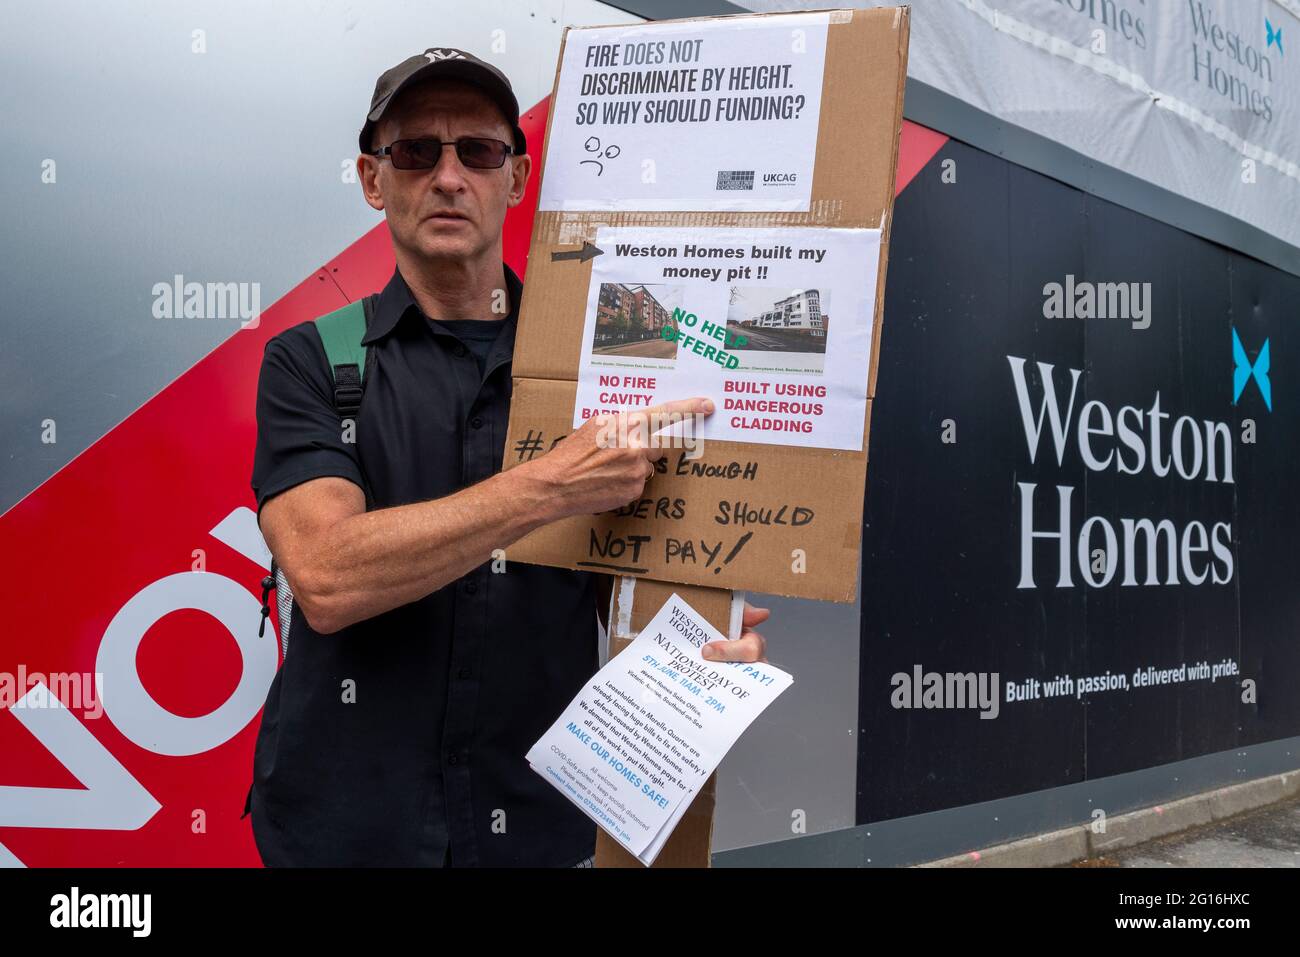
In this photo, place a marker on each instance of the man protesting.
(420, 667)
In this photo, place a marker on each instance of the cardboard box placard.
(751, 274)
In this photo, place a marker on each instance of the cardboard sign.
(729, 253)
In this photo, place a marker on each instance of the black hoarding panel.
(1008, 290)
(1176, 372)
(1266, 310)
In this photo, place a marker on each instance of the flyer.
(774, 324)
(641, 738)
(693, 115)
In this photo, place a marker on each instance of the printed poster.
(774, 324)
(704, 115)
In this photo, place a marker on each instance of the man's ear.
(520, 168)
(368, 177)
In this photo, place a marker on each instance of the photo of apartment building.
(630, 314)
(801, 311)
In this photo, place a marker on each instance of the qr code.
(735, 179)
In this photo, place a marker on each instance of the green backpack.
(350, 362)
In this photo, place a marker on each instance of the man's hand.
(606, 463)
(750, 646)
(593, 470)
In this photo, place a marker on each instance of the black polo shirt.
(400, 740)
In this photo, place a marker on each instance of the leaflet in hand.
(642, 737)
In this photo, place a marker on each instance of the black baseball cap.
(444, 63)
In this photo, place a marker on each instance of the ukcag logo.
(1243, 371)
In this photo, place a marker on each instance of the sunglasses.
(474, 152)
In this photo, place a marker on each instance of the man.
(416, 679)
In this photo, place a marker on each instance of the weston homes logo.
(1273, 36)
(1243, 370)
(1130, 550)
(1229, 63)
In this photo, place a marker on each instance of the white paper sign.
(774, 325)
(643, 736)
(706, 115)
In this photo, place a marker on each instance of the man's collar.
(396, 300)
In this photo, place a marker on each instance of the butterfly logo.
(1272, 36)
(1243, 371)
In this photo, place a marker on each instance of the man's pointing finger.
(699, 405)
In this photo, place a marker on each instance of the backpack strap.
(350, 362)
(341, 332)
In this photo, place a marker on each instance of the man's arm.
(346, 564)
